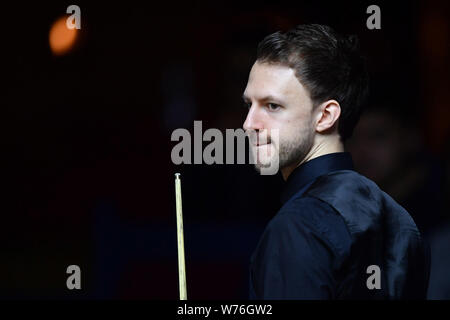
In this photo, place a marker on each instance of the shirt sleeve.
(296, 256)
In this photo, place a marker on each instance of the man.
(337, 235)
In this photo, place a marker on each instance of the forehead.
(273, 80)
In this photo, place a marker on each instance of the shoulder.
(361, 203)
(311, 220)
(344, 181)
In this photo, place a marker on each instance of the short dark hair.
(327, 64)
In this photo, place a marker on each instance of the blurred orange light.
(61, 38)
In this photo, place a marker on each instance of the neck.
(322, 146)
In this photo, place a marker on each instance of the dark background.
(87, 175)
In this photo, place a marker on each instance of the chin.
(264, 155)
(265, 162)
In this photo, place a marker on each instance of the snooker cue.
(180, 239)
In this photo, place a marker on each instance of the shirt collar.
(309, 171)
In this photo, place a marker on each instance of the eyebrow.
(266, 98)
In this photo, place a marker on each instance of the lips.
(255, 140)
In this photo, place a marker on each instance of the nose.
(254, 119)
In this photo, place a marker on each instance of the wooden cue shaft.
(180, 239)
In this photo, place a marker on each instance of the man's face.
(277, 100)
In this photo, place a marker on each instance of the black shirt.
(303, 247)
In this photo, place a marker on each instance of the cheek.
(293, 131)
(288, 130)
(301, 123)
(290, 124)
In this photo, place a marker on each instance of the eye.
(247, 105)
(273, 106)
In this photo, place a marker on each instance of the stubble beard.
(291, 150)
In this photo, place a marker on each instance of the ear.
(327, 115)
